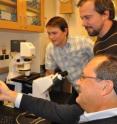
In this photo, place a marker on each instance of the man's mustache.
(88, 27)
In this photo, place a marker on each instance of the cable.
(35, 121)
(40, 121)
(19, 116)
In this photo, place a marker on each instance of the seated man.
(97, 90)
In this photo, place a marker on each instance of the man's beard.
(93, 32)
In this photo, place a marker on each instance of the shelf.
(8, 2)
(4, 70)
(33, 10)
(20, 10)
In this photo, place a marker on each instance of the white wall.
(50, 11)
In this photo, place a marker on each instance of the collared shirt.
(18, 100)
(98, 115)
(71, 58)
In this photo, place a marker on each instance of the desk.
(15, 116)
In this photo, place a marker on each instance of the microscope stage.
(26, 79)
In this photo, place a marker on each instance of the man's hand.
(6, 94)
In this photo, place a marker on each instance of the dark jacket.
(65, 114)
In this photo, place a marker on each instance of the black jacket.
(65, 114)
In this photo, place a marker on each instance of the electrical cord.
(35, 121)
(17, 118)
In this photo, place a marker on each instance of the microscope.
(21, 57)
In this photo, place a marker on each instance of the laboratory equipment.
(40, 86)
(21, 57)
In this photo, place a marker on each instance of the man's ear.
(106, 14)
(66, 30)
(107, 87)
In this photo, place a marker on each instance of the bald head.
(96, 61)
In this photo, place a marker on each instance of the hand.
(6, 93)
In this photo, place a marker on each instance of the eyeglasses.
(82, 77)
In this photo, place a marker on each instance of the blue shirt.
(71, 58)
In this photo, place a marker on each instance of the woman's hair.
(58, 22)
